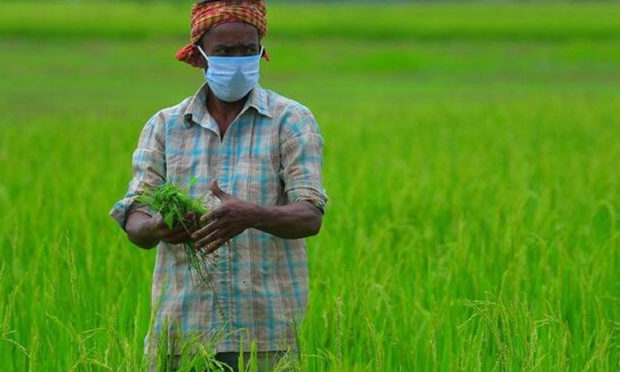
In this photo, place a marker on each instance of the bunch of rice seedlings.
(173, 203)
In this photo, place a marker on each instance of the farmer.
(257, 159)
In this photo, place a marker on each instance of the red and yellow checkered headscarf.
(210, 14)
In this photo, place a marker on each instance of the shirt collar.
(197, 112)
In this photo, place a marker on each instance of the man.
(257, 158)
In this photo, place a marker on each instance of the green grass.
(503, 20)
(473, 183)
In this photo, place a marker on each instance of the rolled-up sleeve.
(149, 170)
(301, 156)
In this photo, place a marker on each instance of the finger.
(214, 246)
(210, 238)
(177, 238)
(206, 230)
(176, 231)
(214, 215)
(217, 191)
(188, 218)
(224, 234)
(192, 228)
(191, 221)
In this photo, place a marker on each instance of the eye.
(250, 51)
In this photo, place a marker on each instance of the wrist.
(257, 219)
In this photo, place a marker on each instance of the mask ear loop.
(202, 52)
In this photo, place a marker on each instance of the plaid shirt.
(270, 155)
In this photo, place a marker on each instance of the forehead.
(231, 33)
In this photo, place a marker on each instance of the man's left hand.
(230, 219)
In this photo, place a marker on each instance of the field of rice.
(473, 220)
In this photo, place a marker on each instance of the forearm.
(139, 230)
(290, 221)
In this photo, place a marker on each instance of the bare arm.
(233, 216)
(291, 221)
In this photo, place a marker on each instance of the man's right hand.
(146, 231)
(178, 234)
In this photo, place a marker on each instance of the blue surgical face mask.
(231, 78)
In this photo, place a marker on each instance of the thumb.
(215, 189)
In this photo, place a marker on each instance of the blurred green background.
(469, 160)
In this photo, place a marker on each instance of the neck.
(224, 112)
(222, 109)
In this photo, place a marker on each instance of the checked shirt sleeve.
(149, 170)
(301, 156)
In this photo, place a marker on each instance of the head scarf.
(210, 14)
